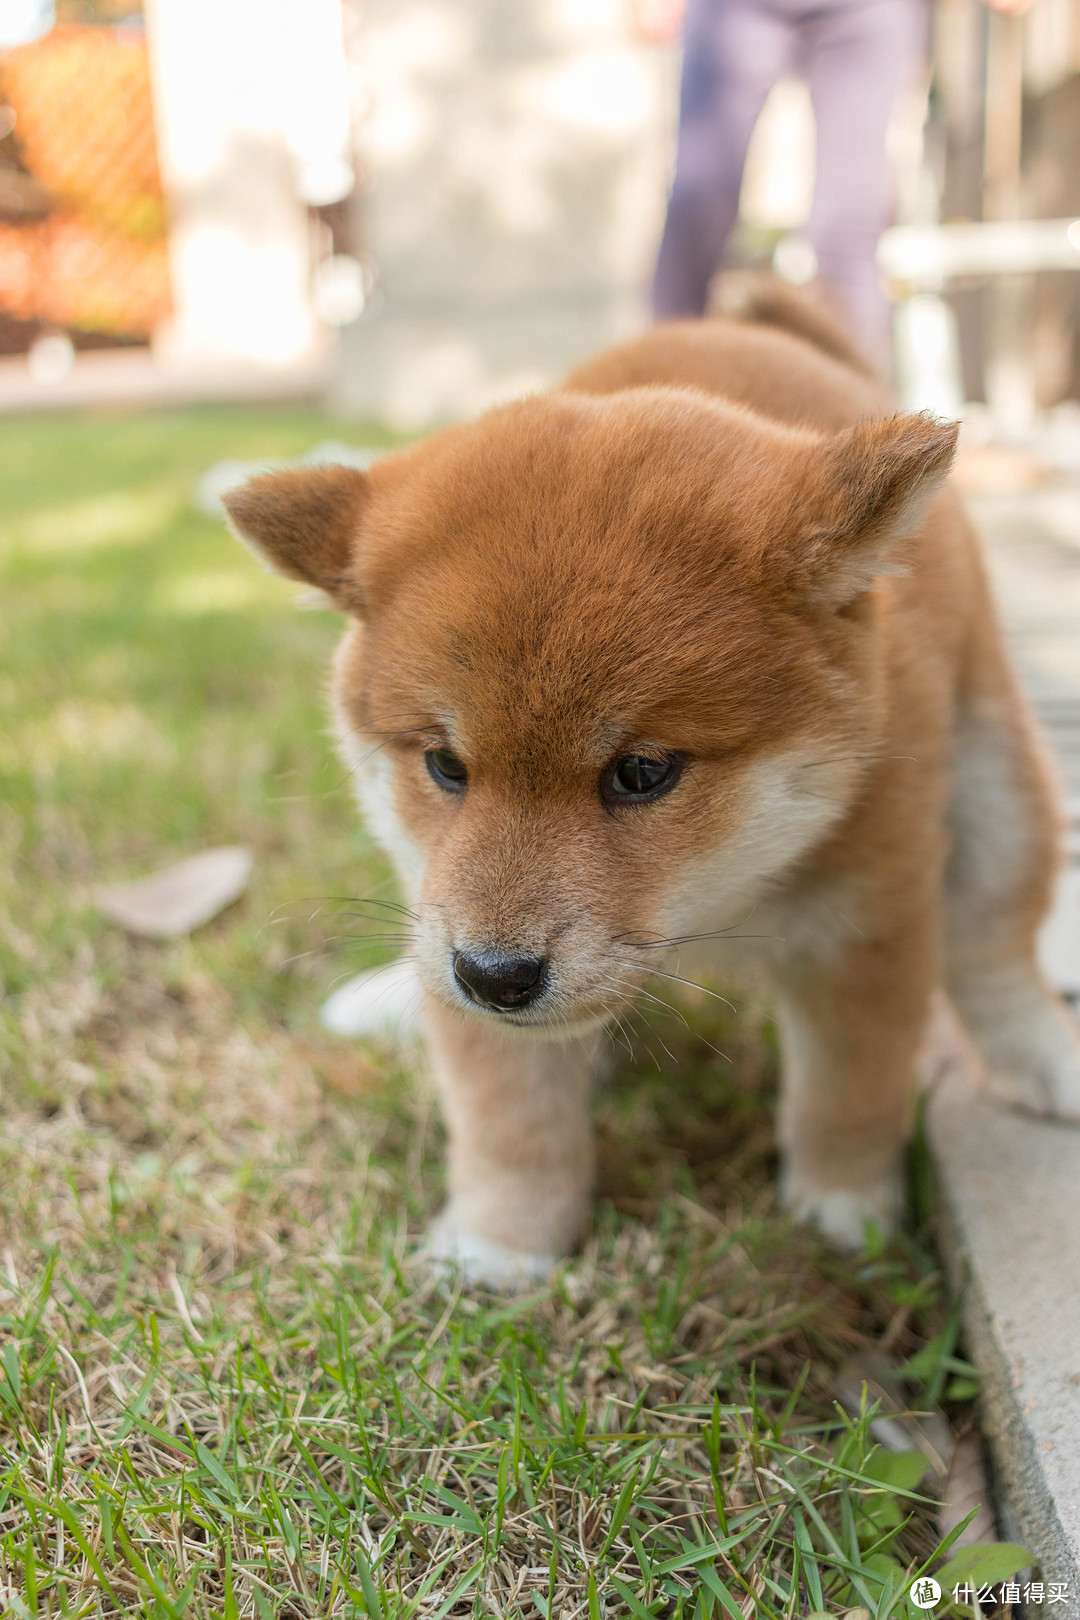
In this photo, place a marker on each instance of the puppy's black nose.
(498, 981)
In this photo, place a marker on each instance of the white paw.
(842, 1214)
(1048, 1092)
(482, 1260)
(384, 1002)
(1033, 1064)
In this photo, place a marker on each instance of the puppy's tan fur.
(717, 541)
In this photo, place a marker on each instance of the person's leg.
(734, 51)
(858, 57)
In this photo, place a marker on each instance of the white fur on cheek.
(373, 784)
(430, 956)
(786, 804)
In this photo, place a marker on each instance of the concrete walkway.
(107, 377)
(1032, 544)
(1011, 1186)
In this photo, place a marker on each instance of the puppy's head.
(610, 659)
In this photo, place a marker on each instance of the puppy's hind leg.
(851, 1026)
(1004, 842)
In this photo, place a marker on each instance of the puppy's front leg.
(520, 1165)
(852, 1032)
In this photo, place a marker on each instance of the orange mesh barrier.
(84, 123)
(65, 272)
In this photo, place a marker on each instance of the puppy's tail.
(762, 298)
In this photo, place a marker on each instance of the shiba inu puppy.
(694, 645)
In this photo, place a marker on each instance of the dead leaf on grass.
(181, 898)
(895, 1427)
(957, 1460)
(966, 1488)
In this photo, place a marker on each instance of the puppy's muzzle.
(501, 981)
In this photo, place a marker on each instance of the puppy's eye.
(639, 777)
(446, 769)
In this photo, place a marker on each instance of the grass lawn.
(227, 1388)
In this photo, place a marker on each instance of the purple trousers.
(855, 55)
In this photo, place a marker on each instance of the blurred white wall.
(253, 121)
(516, 162)
(24, 20)
(513, 169)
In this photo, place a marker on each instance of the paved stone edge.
(961, 1124)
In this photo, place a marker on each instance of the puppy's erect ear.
(876, 482)
(306, 523)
